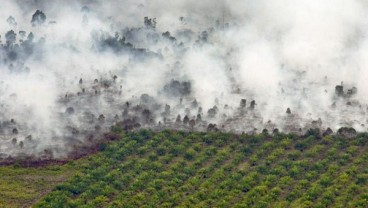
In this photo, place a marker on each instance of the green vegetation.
(22, 187)
(183, 169)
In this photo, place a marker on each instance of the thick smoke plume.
(71, 69)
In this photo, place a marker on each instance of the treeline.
(186, 169)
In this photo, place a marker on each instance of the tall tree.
(10, 37)
(38, 18)
(11, 21)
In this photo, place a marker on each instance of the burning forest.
(69, 70)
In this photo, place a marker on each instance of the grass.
(22, 187)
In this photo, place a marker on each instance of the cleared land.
(22, 187)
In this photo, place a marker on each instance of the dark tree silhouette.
(15, 131)
(204, 36)
(11, 21)
(176, 88)
(199, 118)
(167, 109)
(168, 36)
(38, 18)
(10, 37)
(339, 90)
(70, 110)
(178, 119)
(22, 34)
(327, 132)
(192, 123)
(194, 104)
(85, 9)
(288, 111)
(150, 23)
(253, 104)
(30, 37)
(146, 115)
(101, 117)
(212, 112)
(14, 141)
(186, 119)
(243, 103)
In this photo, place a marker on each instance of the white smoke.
(282, 54)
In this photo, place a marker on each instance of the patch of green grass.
(22, 187)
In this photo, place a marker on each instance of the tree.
(30, 37)
(178, 119)
(288, 111)
(22, 34)
(243, 103)
(10, 37)
(11, 21)
(150, 23)
(38, 18)
(253, 104)
(192, 123)
(85, 9)
(186, 119)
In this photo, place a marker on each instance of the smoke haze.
(177, 64)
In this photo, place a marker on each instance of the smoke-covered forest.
(71, 69)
